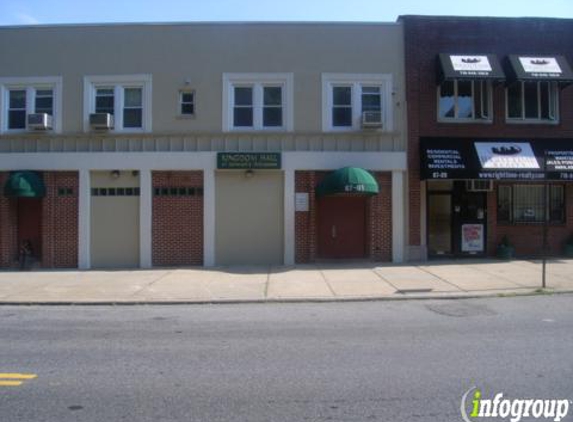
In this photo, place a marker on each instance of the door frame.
(458, 188)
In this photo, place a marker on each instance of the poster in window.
(472, 237)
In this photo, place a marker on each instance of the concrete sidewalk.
(320, 282)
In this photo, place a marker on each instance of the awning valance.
(496, 159)
(26, 184)
(468, 66)
(348, 180)
(536, 68)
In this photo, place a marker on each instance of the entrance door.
(469, 222)
(30, 224)
(342, 227)
(439, 224)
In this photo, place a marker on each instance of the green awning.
(348, 180)
(26, 184)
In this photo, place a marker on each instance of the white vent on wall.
(101, 121)
(39, 121)
(479, 185)
(371, 119)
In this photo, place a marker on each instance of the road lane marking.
(14, 379)
(10, 383)
(16, 376)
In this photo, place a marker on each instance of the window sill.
(466, 121)
(532, 223)
(531, 122)
(25, 132)
(185, 117)
(256, 130)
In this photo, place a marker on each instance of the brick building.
(202, 144)
(490, 121)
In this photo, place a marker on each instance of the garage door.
(249, 218)
(115, 220)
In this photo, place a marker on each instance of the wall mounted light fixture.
(114, 174)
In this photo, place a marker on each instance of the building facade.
(490, 134)
(202, 144)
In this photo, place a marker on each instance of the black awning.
(460, 66)
(496, 159)
(536, 68)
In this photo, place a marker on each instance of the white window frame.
(30, 85)
(476, 118)
(180, 114)
(528, 120)
(258, 81)
(119, 83)
(356, 81)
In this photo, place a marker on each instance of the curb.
(489, 295)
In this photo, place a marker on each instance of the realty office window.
(526, 203)
(21, 97)
(534, 101)
(464, 100)
(258, 101)
(346, 97)
(127, 98)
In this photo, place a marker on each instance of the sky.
(32, 12)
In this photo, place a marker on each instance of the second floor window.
(258, 107)
(257, 101)
(532, 101)
(186, 103)
(20, 97)
(462, 100)
(17, 109)
(126, 97)
(346, 97)
(132, 108)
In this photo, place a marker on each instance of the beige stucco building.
(202, 144)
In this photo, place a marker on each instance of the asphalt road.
(373, 361)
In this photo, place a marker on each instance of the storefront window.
(525, 204)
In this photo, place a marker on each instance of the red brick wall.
(177, 231)
(8, 227)
(379, 222)
(380, 219)
(426, 37)
(59, 223)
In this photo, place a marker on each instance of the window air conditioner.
(39, 121)
(101, 121)
(479, 185)
(372, 119)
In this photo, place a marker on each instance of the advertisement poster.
(472, 237)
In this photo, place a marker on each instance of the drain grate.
(420, 290)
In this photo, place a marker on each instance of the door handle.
(333, 232)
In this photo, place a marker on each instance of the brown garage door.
(342, 227)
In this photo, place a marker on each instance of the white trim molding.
(258, 81)
(31, 84)
(356, 81)
(118, 83)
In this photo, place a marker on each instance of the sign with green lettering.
(249, 160)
